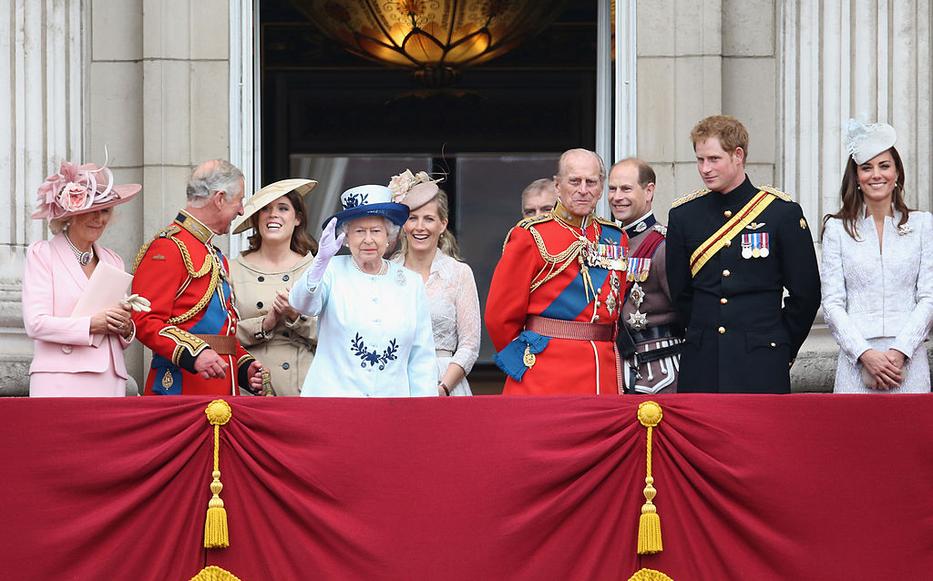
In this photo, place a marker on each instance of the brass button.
(728, 243)
(722, 330)
(723, 301)
(727, 213)
(726, 272)
(773, 344)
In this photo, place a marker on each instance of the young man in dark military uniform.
(648, 333)
(732, 250)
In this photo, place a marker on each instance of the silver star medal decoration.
(637, 320)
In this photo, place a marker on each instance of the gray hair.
(212, 176)
(392, 229)
(579, 150)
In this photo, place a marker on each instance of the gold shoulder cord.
(554, 264)
(210, 264)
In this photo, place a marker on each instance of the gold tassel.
(649, 523)
(216, 535)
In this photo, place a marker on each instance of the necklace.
(84, 258)
(383, 267)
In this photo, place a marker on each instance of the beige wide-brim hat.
(266, 196)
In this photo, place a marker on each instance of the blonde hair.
(446, 242)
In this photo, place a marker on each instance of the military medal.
(528, 358)
(638, 321)
(637, 295)
(746, 246)
(608, 256)
(638, 269)
(764, 245)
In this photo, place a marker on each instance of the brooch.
(904, 229)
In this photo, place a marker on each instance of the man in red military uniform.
(558, 289)
(191, 328)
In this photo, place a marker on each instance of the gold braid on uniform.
(215, 277)
(189, 266)
(166, 232)
(777, 193)
(551, 261)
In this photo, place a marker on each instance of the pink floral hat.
(78, 189)
(413, 189)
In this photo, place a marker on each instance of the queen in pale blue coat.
(374, 329)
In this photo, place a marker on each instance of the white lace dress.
(454, 316)
(879, 299)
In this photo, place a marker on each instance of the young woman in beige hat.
(280, 249)
(75, 356)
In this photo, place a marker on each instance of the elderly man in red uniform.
(558, 289)
(191, 328)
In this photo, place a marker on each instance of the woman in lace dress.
(429, 249)
(877, 271)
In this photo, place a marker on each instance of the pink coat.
(52, 284)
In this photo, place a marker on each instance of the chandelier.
(434, 38)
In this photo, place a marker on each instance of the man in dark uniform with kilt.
(732, 250)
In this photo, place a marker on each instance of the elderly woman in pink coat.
(75, 356)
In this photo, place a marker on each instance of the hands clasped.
(885, 369)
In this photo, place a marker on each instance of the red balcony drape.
(749, 487)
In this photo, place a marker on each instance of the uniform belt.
(222, 344)
(659, 353)
(443, 353)
(576, 330)
(652, 334)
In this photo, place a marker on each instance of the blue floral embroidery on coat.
(374, 357)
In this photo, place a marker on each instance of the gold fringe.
(649, 575)
(214, 573)
(216, 533)
(649, 523)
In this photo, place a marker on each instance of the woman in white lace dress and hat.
(75, 356)
(877, 271)
(280, 250)
(374, 322)
(430, 249)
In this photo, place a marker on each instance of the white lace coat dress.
(454, 316)
(879, 299)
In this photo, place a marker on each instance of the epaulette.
(776, 193)
(690, 197)
(527, 223)
(660, 228)
(605, 222)
(166, 232)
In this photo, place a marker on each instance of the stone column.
(680, 81)
(41, 100)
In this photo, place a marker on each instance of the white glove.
(137, 303)
(327, 249)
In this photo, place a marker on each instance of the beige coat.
(288, 349)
